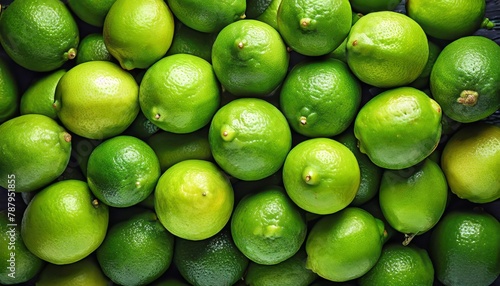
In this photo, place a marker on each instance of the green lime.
(180, 93)
(189, 41)
(39, 96)
(92, 48)
(267, 227)
(321, 175)
(320, 98)
(368, 6)
(387, 49)
(136, 251)
(141, 127)
(249, 58)
(123, 171)
(270, 13)
(81, 273)
(9, 93)
(39, 35)
(35, 151)
(92, 12)
(314, 28)
(381, 126)
(63, 223)
(465, 77)
(194, 199)
(249, 138)
(212, 261)
(340, 52)
(422, 80)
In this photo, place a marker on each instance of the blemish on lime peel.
(468, 97)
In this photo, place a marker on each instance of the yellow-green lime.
(63, 223)
(465, 79)
(208, 16)
(136, 251)
(97, 99)
(355, 240)
(212, 261)
(35, 151)
(39, 35)
(465, 248)
(422, 81)
(321, 175)
(93, 48)
(190, 41)
(81, 273)
(92, 12)
(180, 93)
(387, 49)
(138, 33)
(249, 138)
(194, 199)
(123, 171)
(320, 98)
(401, 265)
(9, 92)
(314, 28)
(368, 6)
(381, 126)
(471, 160)
(249, 58)
(38, 98)
(172, 148)
(267, 227)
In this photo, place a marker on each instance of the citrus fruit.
(35, 151)
(471, 160)
(448, 19)
(92, 12)
(270, 14)
(194, 199)
(400, 265)
(387, 49)
(249, 58)
(249, 138)
(63, 223)
(39, 35)
(141, 127)
(180, 93)
(136, 251)
(39, 96)
(314, 28)
(208, 16)
(413, 199)
(80, 273)
(122, 171)
(92, 48)
(9, 92)
(267, 227)
(465, 248)
(172, 148)
(422, 80)
(465, 79)
(398, 128)
(212, 261)
(321, 175)
(320, 98)
(138, 33)
(367, 6)
(85, 94)
(340, 52)
(189, 41)
(17, 263)
(292, 271)
(354, 244)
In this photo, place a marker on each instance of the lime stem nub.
(227, 133)
(95, 203)
(468, 97)
(241, 45)
(303, 120)
(487, 24)
(408, 238)
(67, 137)
(71, 54)
(157, 116)
(304, 22)
(310, 176)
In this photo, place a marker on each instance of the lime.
(85, 94)
(368, 6)
(81, 273)
(35, 151)
(382, 127)
(39, 35)
(249, 138)
(320, 98)
(136, 251)
(92, 12)
(465, 248)
(138, 33)
(93, 48)
(194, 199)
(270, 13)
(471, 160)
(465, 79)
(141, 127)
(190, 41)
(249, 58)
(9, 93)
(81, 225)
(314, 28)
(387, 49)
(422, 80)
(267, 227)
(180, 93)
(39, 96)
(123, 171)
(212, 261)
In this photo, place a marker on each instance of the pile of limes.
(250, 142)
